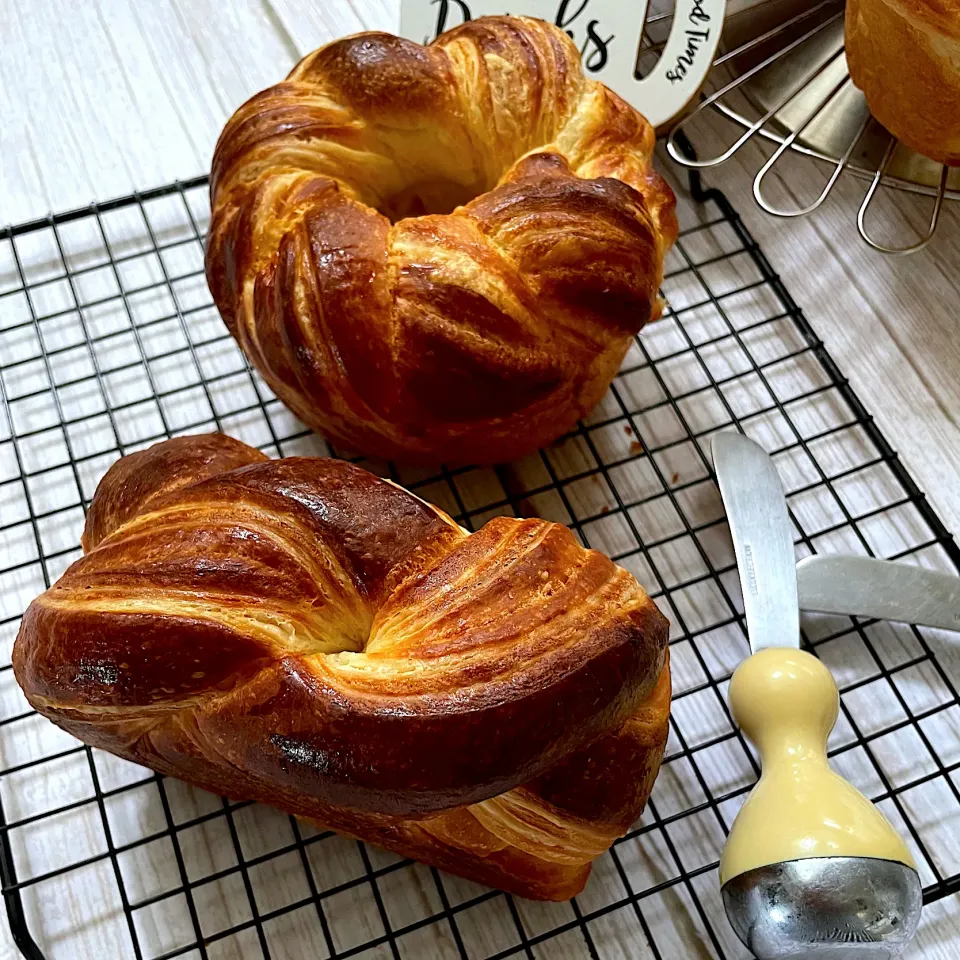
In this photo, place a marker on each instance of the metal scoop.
(811, 868)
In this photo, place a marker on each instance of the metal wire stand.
(783, 77)
(109, 341)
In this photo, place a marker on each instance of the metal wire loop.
(871, 194)
(715, 98)
(788, 142)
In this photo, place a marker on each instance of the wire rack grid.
(109, 342)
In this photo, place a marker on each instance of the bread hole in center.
(332, 635)
(437, 196)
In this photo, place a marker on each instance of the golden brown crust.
(940, 16)
(302, 633)
(134, 481)
(476, 335)
(905, 57)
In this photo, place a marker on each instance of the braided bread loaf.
(400, 328)
(302, 633)
(905, 57)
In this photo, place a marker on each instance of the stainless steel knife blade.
(884, 589)
(762, 540)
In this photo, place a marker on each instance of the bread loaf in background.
(302, 633)
(905, 57)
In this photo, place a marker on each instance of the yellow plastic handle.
(786, 702)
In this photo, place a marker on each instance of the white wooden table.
(104, 98)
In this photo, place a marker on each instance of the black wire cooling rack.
(109, 341)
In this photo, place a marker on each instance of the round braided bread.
(300, 632)
(442, 252)
(333, 632)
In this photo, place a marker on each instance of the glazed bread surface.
(905, 57)
(302, 633)
(439, 253)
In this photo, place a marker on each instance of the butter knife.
(882, 589)
(811, 867)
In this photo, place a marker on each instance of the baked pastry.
(439, 253)
(905, 56)
(302, 633)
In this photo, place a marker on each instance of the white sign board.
(608, 33)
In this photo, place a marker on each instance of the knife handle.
(787, 703)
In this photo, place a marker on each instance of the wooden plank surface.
(107, 97)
